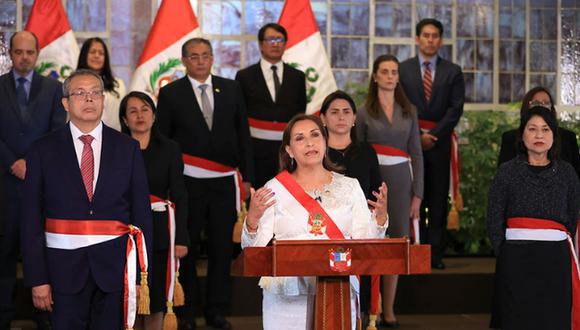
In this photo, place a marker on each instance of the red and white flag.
(160, 62)
(305, 51)
(59, 50)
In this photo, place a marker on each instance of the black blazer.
(447, 95)
(568, 147)
(179, 117)
(290, 101)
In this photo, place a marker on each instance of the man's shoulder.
(409, 62)
(245, 72)
(446, 64)
(291, 70)
(118, 137)
(175, 85)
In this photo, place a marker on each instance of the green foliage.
(163, 68)
(480, 139)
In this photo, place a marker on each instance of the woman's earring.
(292, 162)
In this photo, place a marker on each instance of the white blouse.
(342, 199)
(112, 103)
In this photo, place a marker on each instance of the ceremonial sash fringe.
(548, 230)
(266, 130)
(76, 234)
(454, 175)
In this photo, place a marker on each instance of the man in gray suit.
(436, 88)
(30, 107)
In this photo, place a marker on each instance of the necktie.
(427, 80)
(206, 106)
(21, 96)
(276, 81)
(87, 164)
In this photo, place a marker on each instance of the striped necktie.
(427, 80)
(87, 164)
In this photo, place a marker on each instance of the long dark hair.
(123, 112)
(372, 104)
(106, 73)
(286, 162)
(550, 119)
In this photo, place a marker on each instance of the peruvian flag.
(59, 50)
(305, 51)
(160, 62)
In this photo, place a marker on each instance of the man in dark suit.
(274, 92)
(437, 89)
(206, 115)
(30, 107)
(84, 190)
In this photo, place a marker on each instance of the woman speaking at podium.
(307, 200)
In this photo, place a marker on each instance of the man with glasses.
(86, 204)
(30, 107)
(274, 92)
(206, 115)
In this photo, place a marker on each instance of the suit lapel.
(35, 87)
(10, 91)
(218, 90)
(71, 163)
(107, 153)
(419, 75)
(191, 99)
(439, 77)
(262, 83)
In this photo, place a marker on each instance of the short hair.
(78, 73)
(550, 118)
(195, 41)
(33, 35)
(123, 111)
(274, 26)
(428, 21)
(284, 158)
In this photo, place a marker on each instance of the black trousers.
(212, 209)
(435, 205)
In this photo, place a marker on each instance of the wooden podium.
(332, 261)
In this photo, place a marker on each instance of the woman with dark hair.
(304, 200)
(164, 167)
(567, 146)
(358, 158)
(388, 121)
(95, 56)
(533, 206)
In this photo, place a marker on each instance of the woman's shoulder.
(167, 144)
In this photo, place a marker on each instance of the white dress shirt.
(267, 72)
(208, 90)
(97, 144)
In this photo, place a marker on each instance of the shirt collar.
(28, 77)
(433, 61)
(96, 133)
(196, 83)
(267, 66)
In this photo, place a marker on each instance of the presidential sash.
(76, 234)
(266, 130)
(548, 230)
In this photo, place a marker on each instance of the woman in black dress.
(358, 158)
(533, 208)
(164, 167)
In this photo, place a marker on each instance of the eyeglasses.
(273, 40)
(536, 103)
(196, 57)
(94, 95)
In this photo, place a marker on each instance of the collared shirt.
(208, 90)
(267, 72)
(97, 144)
(433, 65)
(28, 82)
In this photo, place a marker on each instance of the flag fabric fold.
(59, 50)
(160, 62)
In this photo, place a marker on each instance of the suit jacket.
(54, 189)
(447, 94)
(46, 114)
(567, 151)
(179, 117)
(290, 101)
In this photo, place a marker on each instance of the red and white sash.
(266, 130)
(455, 165)
(201, 168)
(76, 234)
(548, 230)
(161, 205)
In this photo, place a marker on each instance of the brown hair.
(372, 103)
(286, 162)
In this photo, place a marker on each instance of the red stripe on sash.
(84, 227)
(267, 125)
(309, 203)
(389, 151)
(206, 164)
